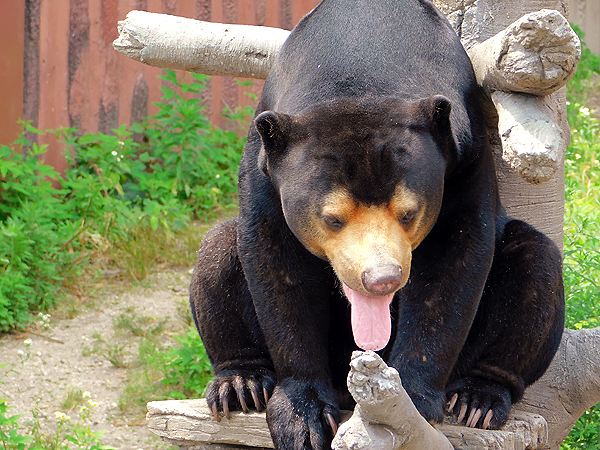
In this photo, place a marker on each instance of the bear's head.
(361, 185)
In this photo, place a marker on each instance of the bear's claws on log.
(238, 391)
(475, 414)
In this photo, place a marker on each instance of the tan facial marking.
(369, 236)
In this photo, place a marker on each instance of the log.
(189, 424)
(171, 42)
(540, 421)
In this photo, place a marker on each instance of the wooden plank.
(12, 30)
(189, 423)
(53, 76)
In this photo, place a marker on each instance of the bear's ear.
(273, 129)
(437, 110)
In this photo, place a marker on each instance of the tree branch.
(172, 42)
(531, 139)
(386, 419)
(536, 54)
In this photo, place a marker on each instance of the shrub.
(119, 203)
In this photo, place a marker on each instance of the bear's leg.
(224, 315)
(516, 331)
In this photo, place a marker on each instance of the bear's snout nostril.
(382, 280)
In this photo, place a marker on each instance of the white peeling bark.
(384, 417)
(172, 42)
(536, 54)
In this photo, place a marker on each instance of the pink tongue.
(371, 321)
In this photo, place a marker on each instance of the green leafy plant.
(10, 437)
(123, 203)
(67, 436)
(36, 228)
(176, 370)
(189, 371)
(188, 158)
(587, 78)
(582, 226)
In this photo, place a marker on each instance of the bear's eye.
(333, 223)
(407, 217)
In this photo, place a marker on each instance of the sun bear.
(370, 218)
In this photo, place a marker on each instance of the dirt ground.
(40, 373)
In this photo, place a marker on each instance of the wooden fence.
(58, 67)
(64, 71)
(586, 14)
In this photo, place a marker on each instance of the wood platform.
(190, 425)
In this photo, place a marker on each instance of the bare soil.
(39, 374)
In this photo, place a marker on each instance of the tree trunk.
(541, 205)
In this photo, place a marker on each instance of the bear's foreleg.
(224, 315)
(516, 331)
(292, 294)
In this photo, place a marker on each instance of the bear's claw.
(233, 390)
(332, 423)
(479, 403)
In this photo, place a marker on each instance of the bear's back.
(369, 48)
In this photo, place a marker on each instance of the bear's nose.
(382, 280)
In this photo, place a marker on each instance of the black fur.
(367, 95)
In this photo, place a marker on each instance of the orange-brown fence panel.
(65, 73)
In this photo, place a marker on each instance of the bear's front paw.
(303, 414)
(239, 389)
(479, 403)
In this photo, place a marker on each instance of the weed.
(73, 399)
(140, 326)
(113, 352)
(120, 204)
(68, 435)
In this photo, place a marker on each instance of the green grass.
(582, 226)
